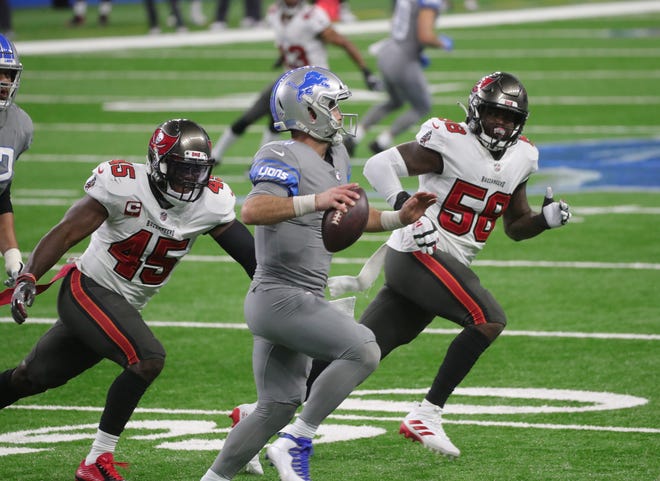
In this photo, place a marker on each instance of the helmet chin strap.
(460, 104)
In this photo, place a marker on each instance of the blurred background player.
(16, 133)
(251, 16)
(175, 18)
(5, 19)
(285, 307)
(80, 12)
(142, 219)
(479, 170)
(302, 33)
(400, 62)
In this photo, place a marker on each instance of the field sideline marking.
(514, 333)
(174, 40)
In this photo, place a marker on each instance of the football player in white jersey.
(302, 33)
(294, 182)
(142, 220)
(479, 170)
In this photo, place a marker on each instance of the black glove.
(401, 199)
(23, 297)
(372, 80)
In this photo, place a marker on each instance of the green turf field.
(570, 392)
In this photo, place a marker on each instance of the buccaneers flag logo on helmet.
(162, 142)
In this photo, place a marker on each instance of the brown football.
(340, 230)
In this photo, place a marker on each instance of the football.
(340, 230)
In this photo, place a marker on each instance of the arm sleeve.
(237, 241)
(5, 201)
(383, 171)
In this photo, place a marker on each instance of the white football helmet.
(10, 63)
(498, 92)
(306, 99)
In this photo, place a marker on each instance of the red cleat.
(102, 470)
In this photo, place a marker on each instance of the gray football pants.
(292, 326)
(405, 83)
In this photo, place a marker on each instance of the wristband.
(390, 220)
(304, 204)
(12, 257)
(26, 277)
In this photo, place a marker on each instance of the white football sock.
(211, 476)
(103, 443)
(300, 429)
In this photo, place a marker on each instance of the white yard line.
(439, 332)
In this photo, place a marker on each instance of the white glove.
(426, 235)
(556, 214)
(13, 265)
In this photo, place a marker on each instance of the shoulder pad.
(116, 177)
(218, 198)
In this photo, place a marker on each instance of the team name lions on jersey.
(271, 170)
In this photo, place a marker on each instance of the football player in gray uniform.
(16, 133)
(294, 182)
(142, 220)
(401, 61)
(479, 170)
(302, 35)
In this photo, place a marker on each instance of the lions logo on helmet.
(306, 99)
(311, 80)
(10, 63)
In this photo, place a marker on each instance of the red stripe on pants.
(101, 318)
(438, 270)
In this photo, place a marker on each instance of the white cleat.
(239, 412)
(424, 425)
(290, 456)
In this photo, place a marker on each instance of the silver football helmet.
(179, 160)
(307, 99)
(9, 64)
(498, 95)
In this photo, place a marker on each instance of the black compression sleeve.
(238, 242)
(5, 201)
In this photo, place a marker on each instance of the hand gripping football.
(340, 230)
